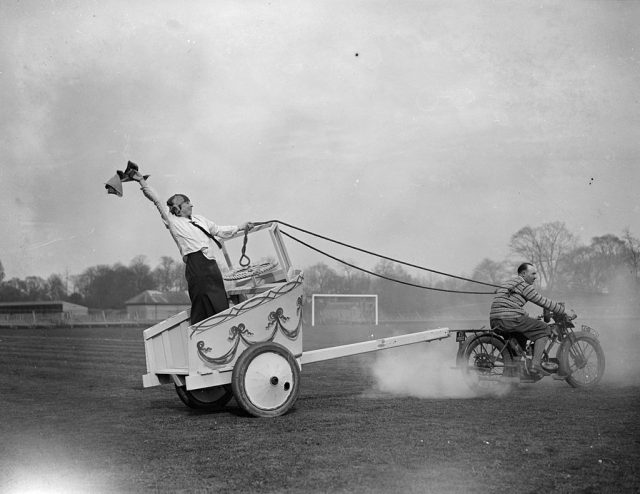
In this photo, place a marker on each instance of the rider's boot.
(538, 352)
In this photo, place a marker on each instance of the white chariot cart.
(253, 350)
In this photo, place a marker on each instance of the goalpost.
(345, 307)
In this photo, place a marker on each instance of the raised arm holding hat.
(195, 237)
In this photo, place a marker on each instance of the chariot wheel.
(266, 380)
(214, 398)
(582, 360)
(487, 366)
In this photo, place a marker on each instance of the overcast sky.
(429, 131)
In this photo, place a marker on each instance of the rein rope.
(244, 258)
(395, 280)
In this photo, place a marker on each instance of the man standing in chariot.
(508, 315)
(195, 237)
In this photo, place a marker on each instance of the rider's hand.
(137, 176)
(572, 315)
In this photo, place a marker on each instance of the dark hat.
(114, 185)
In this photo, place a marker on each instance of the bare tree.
(607, 259)
(179, 280)
(320, 278)
(354, 280)
(579, 272)
(632, 256)
(56, 289)
(544, 246)
(608, 264)
(164, 274)
(396, 298)
(140, 274)
(36, 288)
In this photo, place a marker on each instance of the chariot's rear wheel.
(213, 398)
(266, 380)
(487, 366)
(582, 360)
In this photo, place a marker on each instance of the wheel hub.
(268, 380)
(484, 362)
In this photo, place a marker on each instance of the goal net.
(335, 308)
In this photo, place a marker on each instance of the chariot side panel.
(214, 345)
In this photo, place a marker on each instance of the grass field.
(75, 418)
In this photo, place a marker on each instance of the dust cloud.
(422, 371)
(620, 340)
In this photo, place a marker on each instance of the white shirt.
(187, 236)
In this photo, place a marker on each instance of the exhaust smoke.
(421, 371)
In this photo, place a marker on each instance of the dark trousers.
(206, 287)
(523, 327)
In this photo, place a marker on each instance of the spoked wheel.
(266, 380)
(582, 360)
(214, 398)
(487, 366)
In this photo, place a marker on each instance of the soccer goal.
(336, 308)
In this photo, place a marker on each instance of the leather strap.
(208, 234)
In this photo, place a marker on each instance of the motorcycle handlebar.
(569, 316)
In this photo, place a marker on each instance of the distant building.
(153, 305)
(55, 308)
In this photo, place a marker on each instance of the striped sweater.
(513, 295)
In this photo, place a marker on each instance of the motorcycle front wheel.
(582, 360)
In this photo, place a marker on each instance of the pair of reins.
(246, 261)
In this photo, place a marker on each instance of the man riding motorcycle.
(508, 316)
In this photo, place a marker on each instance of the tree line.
(97, 287)
(608, 264)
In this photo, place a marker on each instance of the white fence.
(65, 319)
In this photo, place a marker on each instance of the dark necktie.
(207, 234)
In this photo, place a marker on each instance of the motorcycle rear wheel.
(582, 360)
(487, 366)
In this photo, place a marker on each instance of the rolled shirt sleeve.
(219, 230)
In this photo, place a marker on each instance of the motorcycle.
(492, 361)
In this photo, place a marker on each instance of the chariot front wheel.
(266, 380)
